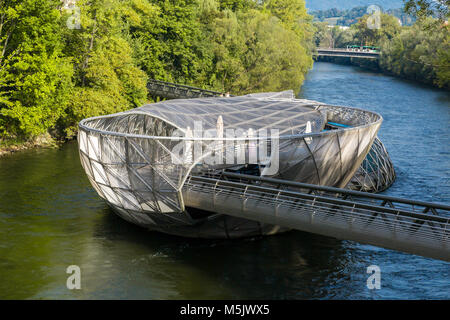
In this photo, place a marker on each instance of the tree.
(255, 52)
(237, 5)
(294, 16)
(371, 35)
(321, 34)
(442, 61)
(423, 8)
(35, 78)
(107, 78)
(420, 52)
(172, 44)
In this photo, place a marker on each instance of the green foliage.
(424, 8)
(35, 79)
(255, 52)
(52, 76)
(364, 35)
(443, 64)
(333, 37)
(294, 17)
(421, 53)
(237, 5)
(107, 77)
(112, 83)
(172, 46)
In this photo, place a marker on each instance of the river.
(51, 218)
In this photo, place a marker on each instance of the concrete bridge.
(348, 53)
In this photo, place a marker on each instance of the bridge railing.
(342, 52)
(420, 209)
(406, 225)
(175, 91)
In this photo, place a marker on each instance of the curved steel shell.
(133, 160)
(376, 173)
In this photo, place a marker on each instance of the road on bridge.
(349, 53)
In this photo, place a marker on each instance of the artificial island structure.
(259, 164)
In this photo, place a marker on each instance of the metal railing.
(406, 225)
(333, 52)
(176, 91)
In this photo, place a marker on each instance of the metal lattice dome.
(133, 158)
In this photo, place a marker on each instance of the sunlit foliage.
(52, 76)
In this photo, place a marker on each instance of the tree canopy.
(424, 8)
(35, 76)
(52, 74)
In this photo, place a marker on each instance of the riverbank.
(418, 52)
(369, 64)
(8, 147)
(374, 66)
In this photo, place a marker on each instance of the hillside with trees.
(60, 65)
(351, 16)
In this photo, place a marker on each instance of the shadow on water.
(294, 265)
(291, 265)
(53, 218)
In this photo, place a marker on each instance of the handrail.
(332, 199)
(174, 86)
(333, 212)
(182, 86)
(338, 190)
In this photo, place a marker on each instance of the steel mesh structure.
(133, 158)
(376, 173)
